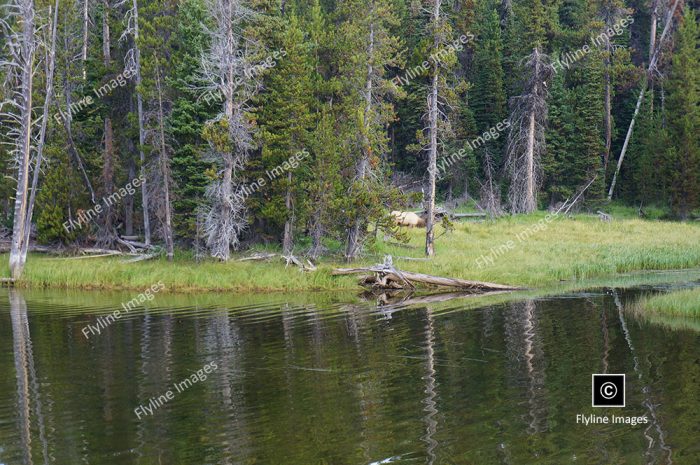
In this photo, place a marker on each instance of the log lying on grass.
(385, 276)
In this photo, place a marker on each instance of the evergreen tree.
(285, 119)
(683, 108)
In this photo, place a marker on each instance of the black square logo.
(608, 390)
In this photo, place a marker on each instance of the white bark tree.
(230, 138)
(433, 133)
(22, 44)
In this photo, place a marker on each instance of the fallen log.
(6, 246)
(387, 277)
(141, 257)
(258, 256)
(459, 216)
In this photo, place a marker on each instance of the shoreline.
(568, 250)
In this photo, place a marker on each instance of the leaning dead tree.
(224, 73)
(645, 81)
(526, 143)
(133, 62)
(18, 27)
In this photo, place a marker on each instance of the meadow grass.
(524, 250)
(684, 303)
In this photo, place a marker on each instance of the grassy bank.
(520, 250)
(678, 303)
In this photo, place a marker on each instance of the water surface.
(335, 380)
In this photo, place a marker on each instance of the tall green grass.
(567, 249)
(677, 303)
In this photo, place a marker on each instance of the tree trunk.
(86, 25)
(530, 158)
(288, 239)
(627, 139)
(24, 140)
(50, 67)
(142, 131)
(129, 205)
(432, 149)
(165, 174)
(652, 46)
(607, 116)
(316, 235)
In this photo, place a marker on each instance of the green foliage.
(682, 161)
(285, 117)
(56, 203)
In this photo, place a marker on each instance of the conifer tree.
(683, 110)
(285, 119)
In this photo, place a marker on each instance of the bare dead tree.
(49, 67)
(440, 96)
(650, 69)
(133, 62)
(526, 143)
(17, 110)
(224, 74)
(433, 128)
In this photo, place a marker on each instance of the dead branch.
(386, 276)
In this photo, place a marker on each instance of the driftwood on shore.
(385, 276)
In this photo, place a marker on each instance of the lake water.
(333, 379)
